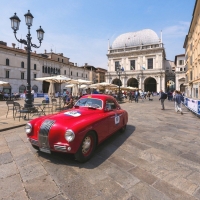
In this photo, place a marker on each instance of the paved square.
(158, 157)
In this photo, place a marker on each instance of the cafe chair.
(9, 104)
(18, 109)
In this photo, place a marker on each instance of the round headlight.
(28, 128)
(69, 135)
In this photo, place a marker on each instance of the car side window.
(110, 104)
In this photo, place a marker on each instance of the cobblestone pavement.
(158, 157)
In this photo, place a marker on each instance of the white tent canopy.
(132, 88)
(2, 83)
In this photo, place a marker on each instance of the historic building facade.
(13, 68)
(180, 72)
(100, 75)
(192, 55)
(141, 56)
(95, 74)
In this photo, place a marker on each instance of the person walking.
(130, 97)
(136, 96)
(162, 98)
(148, 94)
(178, 98)
(142, 95)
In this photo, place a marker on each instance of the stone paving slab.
(158, 158)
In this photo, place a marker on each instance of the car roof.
(98, 96)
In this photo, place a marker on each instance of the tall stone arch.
(150, 84)
(133, 82)
(116, 81)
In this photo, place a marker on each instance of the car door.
(114, 116)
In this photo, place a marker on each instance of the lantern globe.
(15, 21)
(40, 34)
(29, 18)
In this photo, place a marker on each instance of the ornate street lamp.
(119, 71)
(15, 21)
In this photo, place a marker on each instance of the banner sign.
(192, 104)
(40, 94)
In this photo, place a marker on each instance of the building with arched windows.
(13, 68)
(141, 56)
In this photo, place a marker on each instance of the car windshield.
(89, 102)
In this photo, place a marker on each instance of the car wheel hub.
(86, 145)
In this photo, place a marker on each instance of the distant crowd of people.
(6, 96)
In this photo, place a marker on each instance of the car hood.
(71, 117)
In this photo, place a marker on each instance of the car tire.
(122, 130)
(86, 148)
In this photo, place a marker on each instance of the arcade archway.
(150, 85)
(170, 85)
(117, 82)
(182, 88)
(132, 82)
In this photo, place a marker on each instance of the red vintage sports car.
(78, 130)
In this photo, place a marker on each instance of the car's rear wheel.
(123, 129)
(87, 147)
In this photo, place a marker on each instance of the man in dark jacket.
(162, 98)
(136, 96)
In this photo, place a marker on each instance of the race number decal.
(117, 119)
(73, 113)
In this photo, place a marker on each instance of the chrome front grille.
(44, 133)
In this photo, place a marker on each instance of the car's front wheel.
(87, 147)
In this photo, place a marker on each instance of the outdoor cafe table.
(41, 107)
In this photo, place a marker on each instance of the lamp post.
(15, 21)
(119, 72)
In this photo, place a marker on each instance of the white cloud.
(178, 30)
(173, 39)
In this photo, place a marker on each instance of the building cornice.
(135, 52)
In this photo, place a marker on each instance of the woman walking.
(178, 98)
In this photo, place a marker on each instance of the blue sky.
(81, 28)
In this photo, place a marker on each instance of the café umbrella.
(51, 91)
(55, 79)
(103, 85)
(77, 85)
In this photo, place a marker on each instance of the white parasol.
(69, 85)
(55, 79)
(103, 85)
(75, 90)
(79, 81)
(51, 91)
